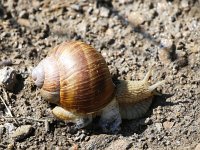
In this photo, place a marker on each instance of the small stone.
(104, 12)
(87, 138)
(136, 18)
(194, 48)
(76, 7)
(8, 78)
(110, 33)
(148, 121)
(168, 124)
(74, 147)
(24, 22)
(6, 62)
(2, 130)
(9, 127)
(165, 55)
(23, 14)
(77, 138)
(124, 1)
(197, 147)
(167, 43)
(10, 146)
(57, 148)
(119, 144)
(22, 132)
(83, 27)
(158, 126)
(82, 136)
(184, 3)
(182, 59)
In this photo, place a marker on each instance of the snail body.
(75, 77)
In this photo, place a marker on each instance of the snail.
(76, 78)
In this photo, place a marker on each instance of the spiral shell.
(76, 77)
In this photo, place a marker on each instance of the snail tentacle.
(154, 86)
(148, 74)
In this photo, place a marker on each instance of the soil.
(131, 35)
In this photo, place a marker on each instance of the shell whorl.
(46, 77)
(38, 75)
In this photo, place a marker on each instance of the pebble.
(10, 146)
(158, 126)
(148, 121)
(6, 62)
(2, 130)
(184, 3)
(168, 125)
(9, 127)
(83, 27)
(165, 55)
(104, 12)
(197, 147)
(22, 132)
(119, 144)
(74, 147)
(24, 22)
(182, 59)
(136, 18)
(167, 42)
(23, 14)
(8, 78)
(76, 7)
(82, 136)
(194, 48)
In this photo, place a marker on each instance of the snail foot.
(110, 118)
(83, 122)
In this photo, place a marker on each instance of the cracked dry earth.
(131, 35)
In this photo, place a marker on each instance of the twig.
(6, 62)
(45, 121)
(24, 118)
(8, 109)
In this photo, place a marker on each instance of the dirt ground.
(131, 35)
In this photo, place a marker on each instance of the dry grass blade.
(8, 109)
(45, 121)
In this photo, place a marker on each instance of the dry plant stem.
(6, 62)
(45, 121)
(8, 109)
(24, 118)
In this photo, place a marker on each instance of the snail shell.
(76, 77)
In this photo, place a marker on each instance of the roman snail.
(76, 78)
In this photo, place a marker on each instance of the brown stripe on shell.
(86, 84)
